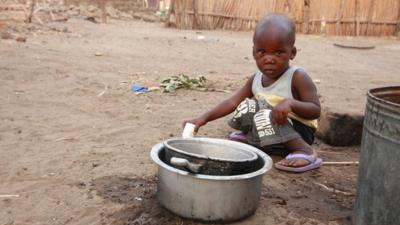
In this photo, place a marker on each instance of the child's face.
(272, 53)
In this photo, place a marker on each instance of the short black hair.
(281, 22)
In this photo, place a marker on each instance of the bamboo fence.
(330, 17)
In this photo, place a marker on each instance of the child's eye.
(260, 53)
(279, 53)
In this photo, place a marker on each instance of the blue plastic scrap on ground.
(139, 88)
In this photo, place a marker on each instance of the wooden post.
(103, 11)
(171, 11)
(145, 4)
(287, 7)
(369, 19)
(306, 16)
(195, 24)
(398, 21)
(47, 5)
(32, 9)
(339, 18)
(357, 20)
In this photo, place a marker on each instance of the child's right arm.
(223, 108)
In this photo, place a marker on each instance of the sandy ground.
(75, 140)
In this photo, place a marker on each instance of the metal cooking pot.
(209, 198)
(210, 156)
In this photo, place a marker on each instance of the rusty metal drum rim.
(379, 112)
(246, 149)
(155, 151)
(371, 94)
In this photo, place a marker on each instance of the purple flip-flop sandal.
(315, 163)
(237, 136)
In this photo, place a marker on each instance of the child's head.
(273, 44)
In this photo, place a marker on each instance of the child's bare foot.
(298, 162)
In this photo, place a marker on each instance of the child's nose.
(269, 59)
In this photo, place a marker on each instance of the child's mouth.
(269, 71)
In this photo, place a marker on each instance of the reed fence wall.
(330, 17)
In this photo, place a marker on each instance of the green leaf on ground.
(173, 83)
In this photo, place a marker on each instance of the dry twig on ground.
(333, 190)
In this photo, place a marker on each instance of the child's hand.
(198, 122)
(281, 111)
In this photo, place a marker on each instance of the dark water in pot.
(256, 165)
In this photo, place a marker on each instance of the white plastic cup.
(188, 131)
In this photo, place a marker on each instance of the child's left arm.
(305, 103)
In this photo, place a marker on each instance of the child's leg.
(242, 120)
(296, 146)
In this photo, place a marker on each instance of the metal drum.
(378, 198)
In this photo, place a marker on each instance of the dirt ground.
(75, 140)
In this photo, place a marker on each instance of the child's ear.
(253, 53)
(294, 52)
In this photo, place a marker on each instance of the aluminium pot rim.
(245, 148)
(154, 154)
